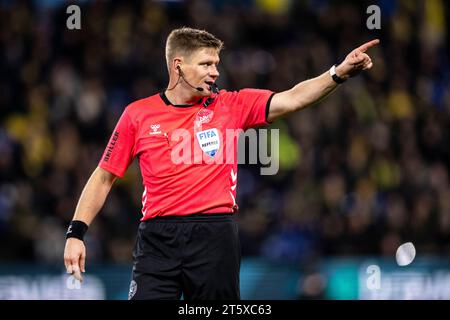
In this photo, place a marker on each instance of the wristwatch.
(335, 77)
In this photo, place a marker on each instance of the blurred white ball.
(405, 254)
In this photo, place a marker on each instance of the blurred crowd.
(360, 172)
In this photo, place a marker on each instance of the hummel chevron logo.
(155, 129)
(233, 176)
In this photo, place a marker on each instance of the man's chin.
(206, 92)
(203, 94)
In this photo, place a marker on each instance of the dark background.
(360, 173)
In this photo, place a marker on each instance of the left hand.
(356, 61)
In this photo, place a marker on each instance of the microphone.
(214, 88)
(190, 85)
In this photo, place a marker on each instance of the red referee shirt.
(187, 154)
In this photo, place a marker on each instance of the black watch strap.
(335, 77)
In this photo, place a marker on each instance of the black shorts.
(195, 256)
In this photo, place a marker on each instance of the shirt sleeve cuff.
(115, 171)
(268, 106)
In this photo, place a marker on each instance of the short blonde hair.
(184, 41)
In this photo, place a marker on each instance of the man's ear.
(176, 63)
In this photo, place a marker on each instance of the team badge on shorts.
(209, 141)
(133, 288)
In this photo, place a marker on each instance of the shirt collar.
(167, 101)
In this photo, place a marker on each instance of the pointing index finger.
(367, 45)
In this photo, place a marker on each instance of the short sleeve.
(120, 149)
(253, 107)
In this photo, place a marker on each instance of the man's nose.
(214, 72)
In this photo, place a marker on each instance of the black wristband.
(76, 229)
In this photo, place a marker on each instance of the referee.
(187, 242)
